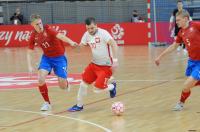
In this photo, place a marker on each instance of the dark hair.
(179, 1)
(90, 20)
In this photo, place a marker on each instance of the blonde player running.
(104, 59)
(53, 57)
(190, 35)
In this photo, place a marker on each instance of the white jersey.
(101, 51)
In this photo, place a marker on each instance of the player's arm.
(83, 40)
(171, 48)
(30, 60)
(30, 52)
(114, 46)
(65, 39)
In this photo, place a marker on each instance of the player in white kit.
(104, 60)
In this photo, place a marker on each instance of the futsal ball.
(117, 108)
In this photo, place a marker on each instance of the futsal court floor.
(147, 91)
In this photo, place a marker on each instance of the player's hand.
(157, 61)
(74, 44)
(115, 64)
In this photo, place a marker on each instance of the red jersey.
(51, 46)
(191, 38)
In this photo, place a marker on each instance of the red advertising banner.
(163, 33)
(123, 33)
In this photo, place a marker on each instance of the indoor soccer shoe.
(45, 107)
(75, 108)
(113, 91)
(178, 107)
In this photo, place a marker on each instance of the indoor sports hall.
(148, 92)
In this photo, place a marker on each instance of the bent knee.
(84, 84)
(63, 84)
(41, 81)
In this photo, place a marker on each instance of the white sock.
(81, 93)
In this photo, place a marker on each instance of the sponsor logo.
(118, 33)
(19, 36)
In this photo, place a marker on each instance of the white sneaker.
(178, 107)
(45, 107)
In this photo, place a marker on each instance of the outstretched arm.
(165, 52)
(114, 48)
(66, 39)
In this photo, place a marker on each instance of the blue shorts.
(193, 69)
(58, 64)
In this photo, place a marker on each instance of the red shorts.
(98, 74)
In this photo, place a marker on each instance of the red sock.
(198, 83)
(44, 92)
(184, 96)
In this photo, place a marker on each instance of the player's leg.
(44, 69)
(63, 83)
(198, 83)
(188, 85)
(60, 69)
(193, 74)
(101, 83)
(88, 77)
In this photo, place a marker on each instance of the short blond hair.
(183, 13)
(34, 17)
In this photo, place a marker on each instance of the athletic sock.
(184, 96)
(44, 92)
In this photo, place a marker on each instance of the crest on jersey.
(97, 40)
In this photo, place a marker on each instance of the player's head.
(182, 18)
(36, 22)
(91, 25)
(180, 5)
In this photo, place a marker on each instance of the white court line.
(59, 116)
